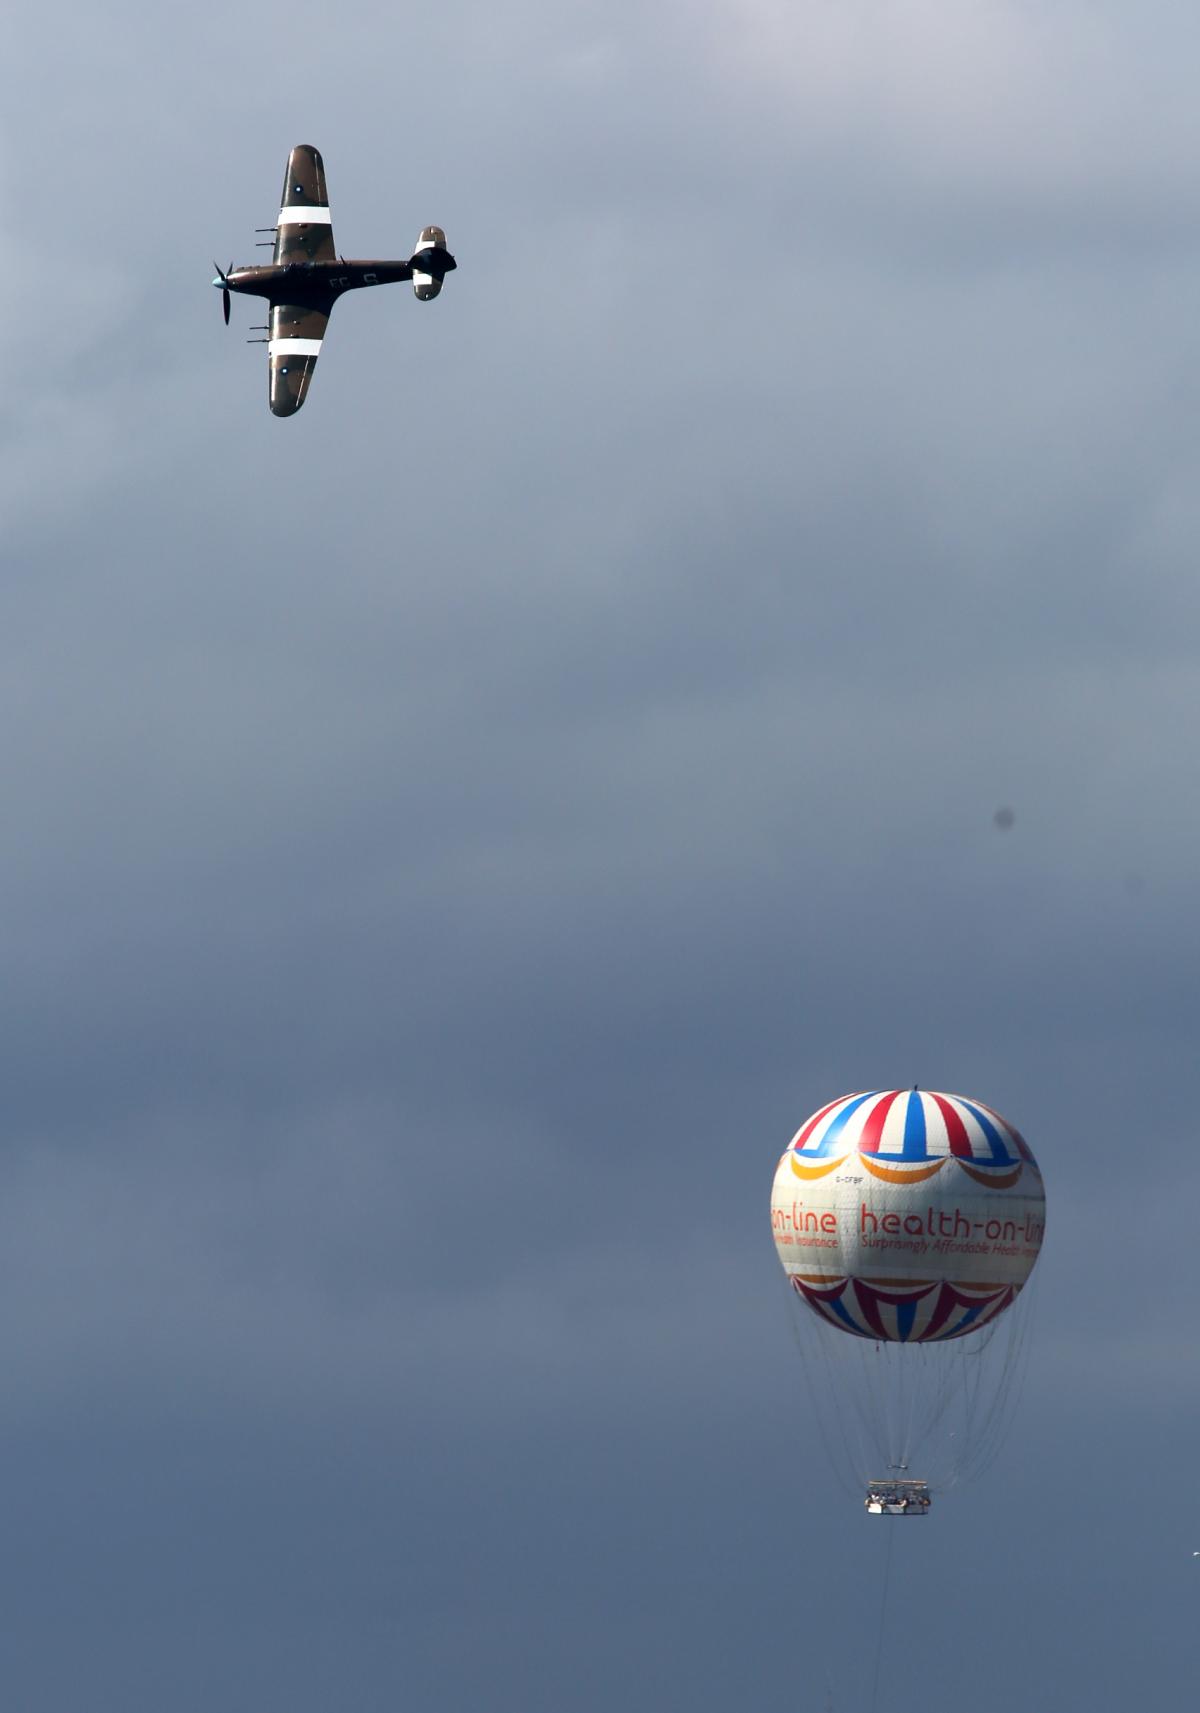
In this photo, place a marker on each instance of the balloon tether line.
(889, 1524)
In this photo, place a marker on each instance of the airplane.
(307, 276)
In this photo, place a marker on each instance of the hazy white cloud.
(1046, 101)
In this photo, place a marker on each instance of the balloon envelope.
(907, 1216)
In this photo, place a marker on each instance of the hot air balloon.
(908, 1223)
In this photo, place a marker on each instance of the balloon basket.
(898, 1498)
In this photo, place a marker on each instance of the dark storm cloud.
(454, 838)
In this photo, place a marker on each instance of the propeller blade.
(223, 275)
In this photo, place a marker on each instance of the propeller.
(223, 276)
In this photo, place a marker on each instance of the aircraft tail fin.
(431, 262)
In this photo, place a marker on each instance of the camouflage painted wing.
(293, 348)
(304, 232)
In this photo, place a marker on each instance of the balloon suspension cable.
(887, 1572)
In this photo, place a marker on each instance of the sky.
(453, 839)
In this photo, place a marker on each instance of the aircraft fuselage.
(314, 283)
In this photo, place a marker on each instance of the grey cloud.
(453, 839)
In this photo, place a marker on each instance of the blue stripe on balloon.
(840, 1120)
(914, 1129)
(962, 1323)
(839, 1308)
(906, 1313)
(1001, 1154)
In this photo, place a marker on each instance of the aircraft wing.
(304, 232)
(296, 332)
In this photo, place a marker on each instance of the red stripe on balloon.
(996, 1305)
(802, 1136)
(956, 1130)
(872, 1130)
(1023, 1148)
(941, 1314)
(864, 1296)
